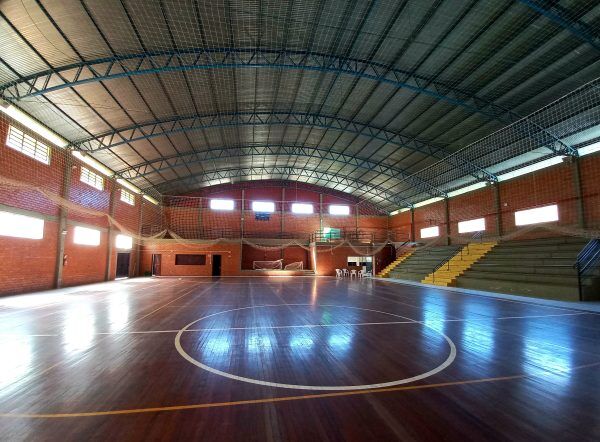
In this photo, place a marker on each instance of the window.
(218, 204)
(21, 226)
(127, 197)
(302, 208)
(86, 237)
(19, 140)
(190, 260)
(538, 215)
(430, 232)
(263, 206)
(474, 225)
(359, 261)
(124, 242)
(91, 178)
(339, 210)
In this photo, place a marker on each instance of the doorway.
(156, 265)
(216, 265)
(123, 265)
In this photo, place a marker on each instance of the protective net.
(294, 266)
(267, 265)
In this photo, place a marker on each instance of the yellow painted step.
(386, 271)
(446, 275)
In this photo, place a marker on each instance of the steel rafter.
(177, 124)
(263, 149)
(285, 172)
(122, 66)
(108, 68)
(560, 16)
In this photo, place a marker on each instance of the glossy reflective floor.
(293, 359)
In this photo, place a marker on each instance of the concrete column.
(109, 246)
(321, 212)
(243, 202)
(282, 216)
(447, 215)
(498, 209)
(200, 210)
(356, 221)
(62, 224)
(412, 225)
(138, 252)
(578, 193)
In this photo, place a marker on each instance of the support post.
(578, 192)
(62, 225)
(356, 220)
(109, 245)
(321, 213)
(243, 202)
(138, 253)
(282, 226)
(498, 209)
(447, 216)
(412, 225)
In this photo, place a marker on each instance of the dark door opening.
(123, 265)
(216, 265)
(156, 265)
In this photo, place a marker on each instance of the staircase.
(422, 262)
(448, 272)
(385, 273)
(540, 268)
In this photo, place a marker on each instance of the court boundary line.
(278, 399)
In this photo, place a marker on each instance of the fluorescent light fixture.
(302, 208)
(86, 237)
(149, 198)
(429, 201)
(396, 212)
(93, 163)
(473, 225)
(538, 215)
(586, 150)
(221, 204)
(263, 206)
(128, 185)
(335, 209)
(21, 226)
(430, 232)
(123, 242)
(531, 168)
(18, 115)
(466, 189)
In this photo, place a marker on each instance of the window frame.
(18, 227)
(91, 178)
(127, 197)
(553, 208)
(346, 206)
(430, 228)
(222, 200)
(27, 145)
(82, 230)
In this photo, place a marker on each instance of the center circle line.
(449, 360)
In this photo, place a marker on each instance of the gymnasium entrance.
(123, 265)
(156, 259)
(216, 265)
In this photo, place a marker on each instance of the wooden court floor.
(293, 359)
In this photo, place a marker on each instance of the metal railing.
(587, 261)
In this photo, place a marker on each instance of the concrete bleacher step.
(534, 267)
(464, 259)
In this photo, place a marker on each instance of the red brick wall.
(328, 260)
(28, 264)
(230, 259)
(31, 264)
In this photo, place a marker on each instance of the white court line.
(357, 324)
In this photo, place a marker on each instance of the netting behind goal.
(267, 265)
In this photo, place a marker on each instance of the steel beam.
(332, 180)
(263, 149)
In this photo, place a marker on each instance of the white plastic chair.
(360, 274)
(345, 272)
(339, 273)
(352, 274)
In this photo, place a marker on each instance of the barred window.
(127, 197)
(19, 140)
(91, 178)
